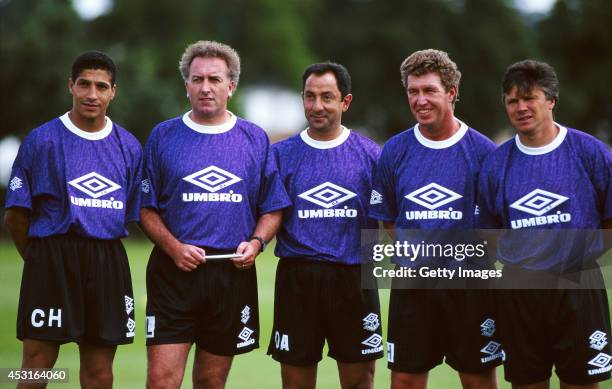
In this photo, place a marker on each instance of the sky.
(90, 9)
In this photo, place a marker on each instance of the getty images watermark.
(486, 259)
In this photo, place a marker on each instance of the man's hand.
(249, 251)
(188, 257)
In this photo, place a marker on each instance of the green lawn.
(253, 370)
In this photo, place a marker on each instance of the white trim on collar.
(204, 129)
(327, 144)
(543, 149)
(101, 134)
(441, 144)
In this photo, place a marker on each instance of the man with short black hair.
(548, 177)
(211, 188)
(327, 171)
(426, 180)
(74, 186)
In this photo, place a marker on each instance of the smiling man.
(327, 171)
(74, 186)
(434, 166)
(562, 178)
(211, 187)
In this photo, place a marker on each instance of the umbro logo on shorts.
(598, 340)
(212, 179)
(487, 328)
(602, 362)
(129, 304)
(245, 336)
(245, 314)
(493, 350)
(538, 203)
(131, 326)
(327, 195)
(432, 197)
(95, 186)
(374, 342)
(371, 322)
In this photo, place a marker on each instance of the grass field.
(253, 370)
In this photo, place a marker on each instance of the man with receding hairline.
(327, 170)
(210, 188)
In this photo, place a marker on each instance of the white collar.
(327, 144)
(543, 149)
(101, 134)
(216, 129)
(441, 144)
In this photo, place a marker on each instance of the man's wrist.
(262, 242)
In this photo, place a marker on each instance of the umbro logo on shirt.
(327, 195)
(95, 186)
(376, 198)
(213, 179)
(539, 202)
(432, 197)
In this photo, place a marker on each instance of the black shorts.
(316, 300)
(76, 289)
(425, 325)
(214, 306)
(569, 329)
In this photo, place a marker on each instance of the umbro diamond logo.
(491, 348)
(212, 178)
(487, 328)
(15, 183)
(327, 195)
(376, 198)
(374, 342)
(598, 340)
(245, 314)
(129, 304)
(601, 360)
(94, 185)
(538, 202)
(245, 336)
(433, 196)
(371, 322)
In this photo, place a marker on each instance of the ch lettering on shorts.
(487, 328)
(131, 324)
(15, 183)
(375, 198)
(245, 314)
(493, 351)
(433, 196)
(538, 203)
(95, 185)
(245, 336)
(390, 352)
(281, 341)
(327, 195)
(213, 179)
(150, 326)
(601, 363)
(371, 322)
(374, 343)
(50, 318)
